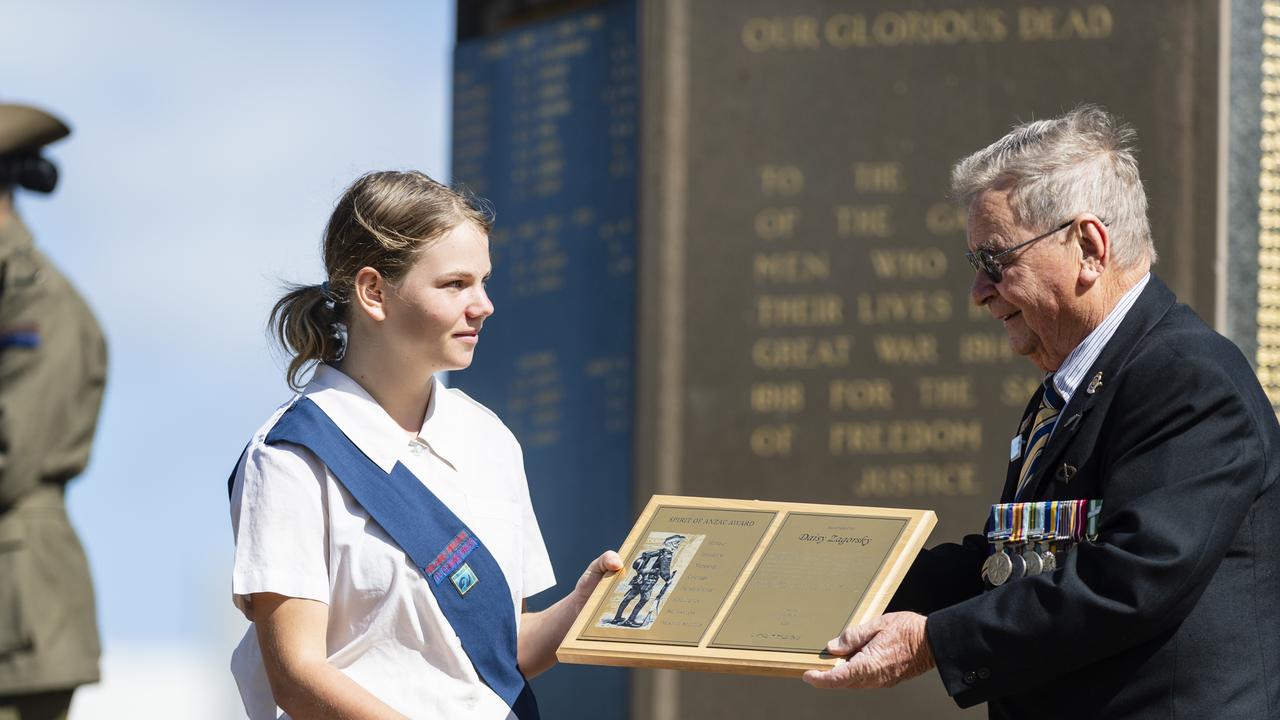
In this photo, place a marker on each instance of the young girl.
(385, 541)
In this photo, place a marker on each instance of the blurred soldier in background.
(52, 371)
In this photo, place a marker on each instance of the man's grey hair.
(1057, 169)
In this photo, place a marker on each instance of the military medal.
(1048, 561)
(1034, 564)
(1017, 536)
(1091, 525)
(1029, 538)
(1035, 529)
(1019, 568)
(1047, 558)
(997, 567)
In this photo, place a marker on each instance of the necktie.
(1050, 405)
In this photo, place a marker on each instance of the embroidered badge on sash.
(452, 556)
(464, 579)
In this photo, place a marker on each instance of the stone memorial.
(726, 265)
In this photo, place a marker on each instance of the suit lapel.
(1151, 305)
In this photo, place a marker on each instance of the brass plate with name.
(744, 586)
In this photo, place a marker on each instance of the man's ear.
(1095, 247)
(369, 294)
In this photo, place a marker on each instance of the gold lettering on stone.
(896, 264)
(784, 180)
(921, 306)
(918, 349)
(946, 392)
(878, 177)
(1055, 23)
(799, 310)
(777, 397)
(942, 27)
(860, 394)
(776, 223)
(979, 348)
(864, 221)
(762, 34)
(773, 440)
(945, 218)
(953, 26)
(846, 30)
(1016, 390)
(918, 480)
(791, 267)
(801, 353)
(904, 436)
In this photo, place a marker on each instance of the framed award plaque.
(744, 586)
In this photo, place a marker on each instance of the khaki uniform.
(53, 366)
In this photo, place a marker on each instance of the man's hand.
(881, 653)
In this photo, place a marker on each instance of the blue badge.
(464, 579)
(26, 336)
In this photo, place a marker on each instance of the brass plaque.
(744, 586)
(802, 592)
(678, 576)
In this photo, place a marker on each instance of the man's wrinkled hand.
(881, 653)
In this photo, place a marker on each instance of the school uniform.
(301, 533)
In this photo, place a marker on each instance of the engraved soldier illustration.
(649, 566)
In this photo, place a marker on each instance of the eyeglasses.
(988, 263)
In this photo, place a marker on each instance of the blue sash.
(464, 577)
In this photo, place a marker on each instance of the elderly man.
(1168, 608)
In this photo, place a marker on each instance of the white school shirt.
(300, 534)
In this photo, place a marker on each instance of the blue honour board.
(545, 124)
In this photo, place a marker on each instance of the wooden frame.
(744, 586)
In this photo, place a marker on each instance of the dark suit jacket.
(1175, 610)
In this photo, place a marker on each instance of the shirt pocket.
(497, 522)
(15, 628)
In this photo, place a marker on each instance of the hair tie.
(329, 295)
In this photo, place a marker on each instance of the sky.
(210, 142)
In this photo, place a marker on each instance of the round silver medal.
(996, 568)
(1032, 560)
(1049, 559)
(1019, 568)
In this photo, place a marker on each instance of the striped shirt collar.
(1069, 376)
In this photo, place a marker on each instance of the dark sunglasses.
(988, 263)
